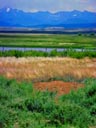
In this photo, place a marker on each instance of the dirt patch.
(58, 86)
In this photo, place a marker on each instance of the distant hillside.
(68, 20)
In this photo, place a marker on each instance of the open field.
(40, 101)
(40, 68)
(45, 40)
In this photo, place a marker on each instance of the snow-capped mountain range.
(67, 19)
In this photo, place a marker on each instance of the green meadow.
(49, 41)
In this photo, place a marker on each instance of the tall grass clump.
(22, 106)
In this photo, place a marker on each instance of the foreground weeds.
(21, 106)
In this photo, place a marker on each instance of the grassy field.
(55, 41)
(40, 68)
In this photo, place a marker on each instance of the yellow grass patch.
(32, 68)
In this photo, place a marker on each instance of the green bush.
(22, 106)
(92, 34)
(79, 34)
(69, 113)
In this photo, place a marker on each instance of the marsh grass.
(54, 53)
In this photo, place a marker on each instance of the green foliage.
(92, 34)
(71, 114)
(22, 106)
(49, 41)
(53, 53)
(79, 34)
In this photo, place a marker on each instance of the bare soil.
(58, 86)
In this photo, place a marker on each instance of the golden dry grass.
(40, 68)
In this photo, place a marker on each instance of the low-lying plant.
(53, 53)
(24, 107)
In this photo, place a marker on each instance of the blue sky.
(50, 5)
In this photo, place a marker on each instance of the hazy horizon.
(8, 9)
(49, 5)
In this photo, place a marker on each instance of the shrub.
(71, 114)
(22, 106)
(79, 34)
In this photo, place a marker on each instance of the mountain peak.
(44, 12)
(76, 11)
(8, 9)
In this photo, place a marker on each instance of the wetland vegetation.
(49, 40)
(53, 53)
